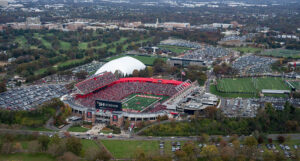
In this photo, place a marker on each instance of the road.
(127, 137)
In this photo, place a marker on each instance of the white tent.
(126, 65)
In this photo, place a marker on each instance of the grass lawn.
(127, 148)
(248, 49)
(282, 53)
(65, 45)
(77, 128)
(88, 144)
(67, 63)
(147, 60)
(26, 157)
(175, 49)
(22, 41)
(83, 45)
(45, 42)
(37, 129)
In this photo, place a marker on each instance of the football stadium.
(105, 98)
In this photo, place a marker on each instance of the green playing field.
(251, 84)
(140, 101)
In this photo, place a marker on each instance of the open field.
(138, 102)
(175, 49)
(128, 148)
(147, 60)
(77, 129)
(284, 53)
(248, 49)
(26, 157)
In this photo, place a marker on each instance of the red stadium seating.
(118, 91)
(94, 83)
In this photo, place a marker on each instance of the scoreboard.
(108, 105)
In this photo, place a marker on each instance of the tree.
(158, 65)
(204, 138)
(74, 145)
(81, 74)
(187, 153)
(135, 73)
(44, 141)
(68, 156)
(2, 87)
(227, 153)
(250, 141)
(281, 139)
(268, 156)
(103, 155)
(210, 152)
(211, 112)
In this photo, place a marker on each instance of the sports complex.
(105, 98)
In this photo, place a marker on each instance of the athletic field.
(251, 85)
(282, 53)
(139, 102)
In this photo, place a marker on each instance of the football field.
(139, 102)
(251, 85)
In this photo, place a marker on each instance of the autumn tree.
(74, 145)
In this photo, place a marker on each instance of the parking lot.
(239, 107)
(251, 64)
(207, 53)
(26, 98)
(180, 42)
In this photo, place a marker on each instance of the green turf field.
(250, 85)
(138, 103)
(282, 53)
(147, 60)
(175, 49)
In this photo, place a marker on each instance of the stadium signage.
(108, 105)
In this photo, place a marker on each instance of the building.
(33, 21)
(185, 62)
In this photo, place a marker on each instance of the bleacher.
(118, 91)
(91, 84)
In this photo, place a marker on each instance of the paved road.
(127, 137)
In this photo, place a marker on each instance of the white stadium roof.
(126, 65)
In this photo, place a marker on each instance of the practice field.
(251, 85)
(139, 102)
(175, 49)
(284, 53)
